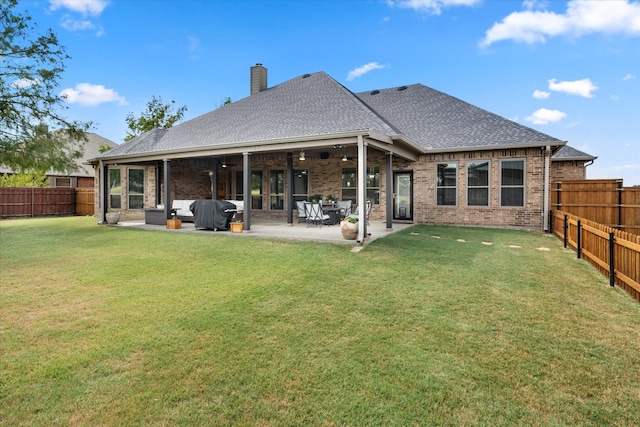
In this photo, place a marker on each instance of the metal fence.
(615, 253)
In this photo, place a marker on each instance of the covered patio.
(276, 229)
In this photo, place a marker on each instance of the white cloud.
(91, 95)
(364, 69)
(582, 17)
(433, 7)
(70, 24)
(85, 7)
(582, 87)
(544, 116)
(629, 76)
(23, 83)
(540, 94)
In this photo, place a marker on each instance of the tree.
(30, 68)
(157, 116)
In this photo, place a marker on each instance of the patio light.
(224, 164)
(344, 158)
(301, 154)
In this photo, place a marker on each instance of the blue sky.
(570, 69)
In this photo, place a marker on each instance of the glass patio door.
(403, 195)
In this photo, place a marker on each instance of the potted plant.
(112, 217)
(349, 228)
(174, 223)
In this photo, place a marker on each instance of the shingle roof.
(317, 105)
(310, 105)
(567, 153)
(437, 121)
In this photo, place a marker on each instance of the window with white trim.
(478, 183)
(512, 183)
(446, 188)
(135, 188)
(115, 189)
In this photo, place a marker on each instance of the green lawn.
(112, 326)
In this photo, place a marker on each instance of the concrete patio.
(277, 229)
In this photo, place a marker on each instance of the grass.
(114, 326)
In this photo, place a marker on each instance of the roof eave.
(279, 144)
(540, 144)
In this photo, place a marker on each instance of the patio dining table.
(334, 214)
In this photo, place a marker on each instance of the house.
(83, 177)
(419, 155)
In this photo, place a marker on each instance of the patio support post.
(389, 191)
(158, 185)
(289, 202)
(102, 192)
(246, 190)
(167, 188)
(362, 189)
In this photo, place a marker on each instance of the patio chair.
(345, 208)
(315, 214)
(356, 214)
(302, 214)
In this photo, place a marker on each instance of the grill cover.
(212, 214)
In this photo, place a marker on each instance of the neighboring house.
(84, 175)
(418, 154)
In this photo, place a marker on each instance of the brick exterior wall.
(568, 171)
(190, 180)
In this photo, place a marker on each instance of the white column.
(362, 190)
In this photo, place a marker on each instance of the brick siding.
(190, 180)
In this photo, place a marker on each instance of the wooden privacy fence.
(604, 201)
(614, 253)
(34, 201)
(85, 200)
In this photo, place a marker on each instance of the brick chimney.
(258, 79)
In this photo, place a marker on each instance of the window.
(62, 182)
(373, 184)
(239, 186)
(478, 184)
(256, 189)
(300, 185)
(349, 184)
(136, 188)
(512, 183)
(276, 190)
(446, 184)
(114, 189)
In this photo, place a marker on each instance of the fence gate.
(85, 199)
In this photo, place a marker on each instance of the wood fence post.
(579, 248)
(612, 269)
(566, 228)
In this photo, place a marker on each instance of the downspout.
(547, 185)
(362, 191)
